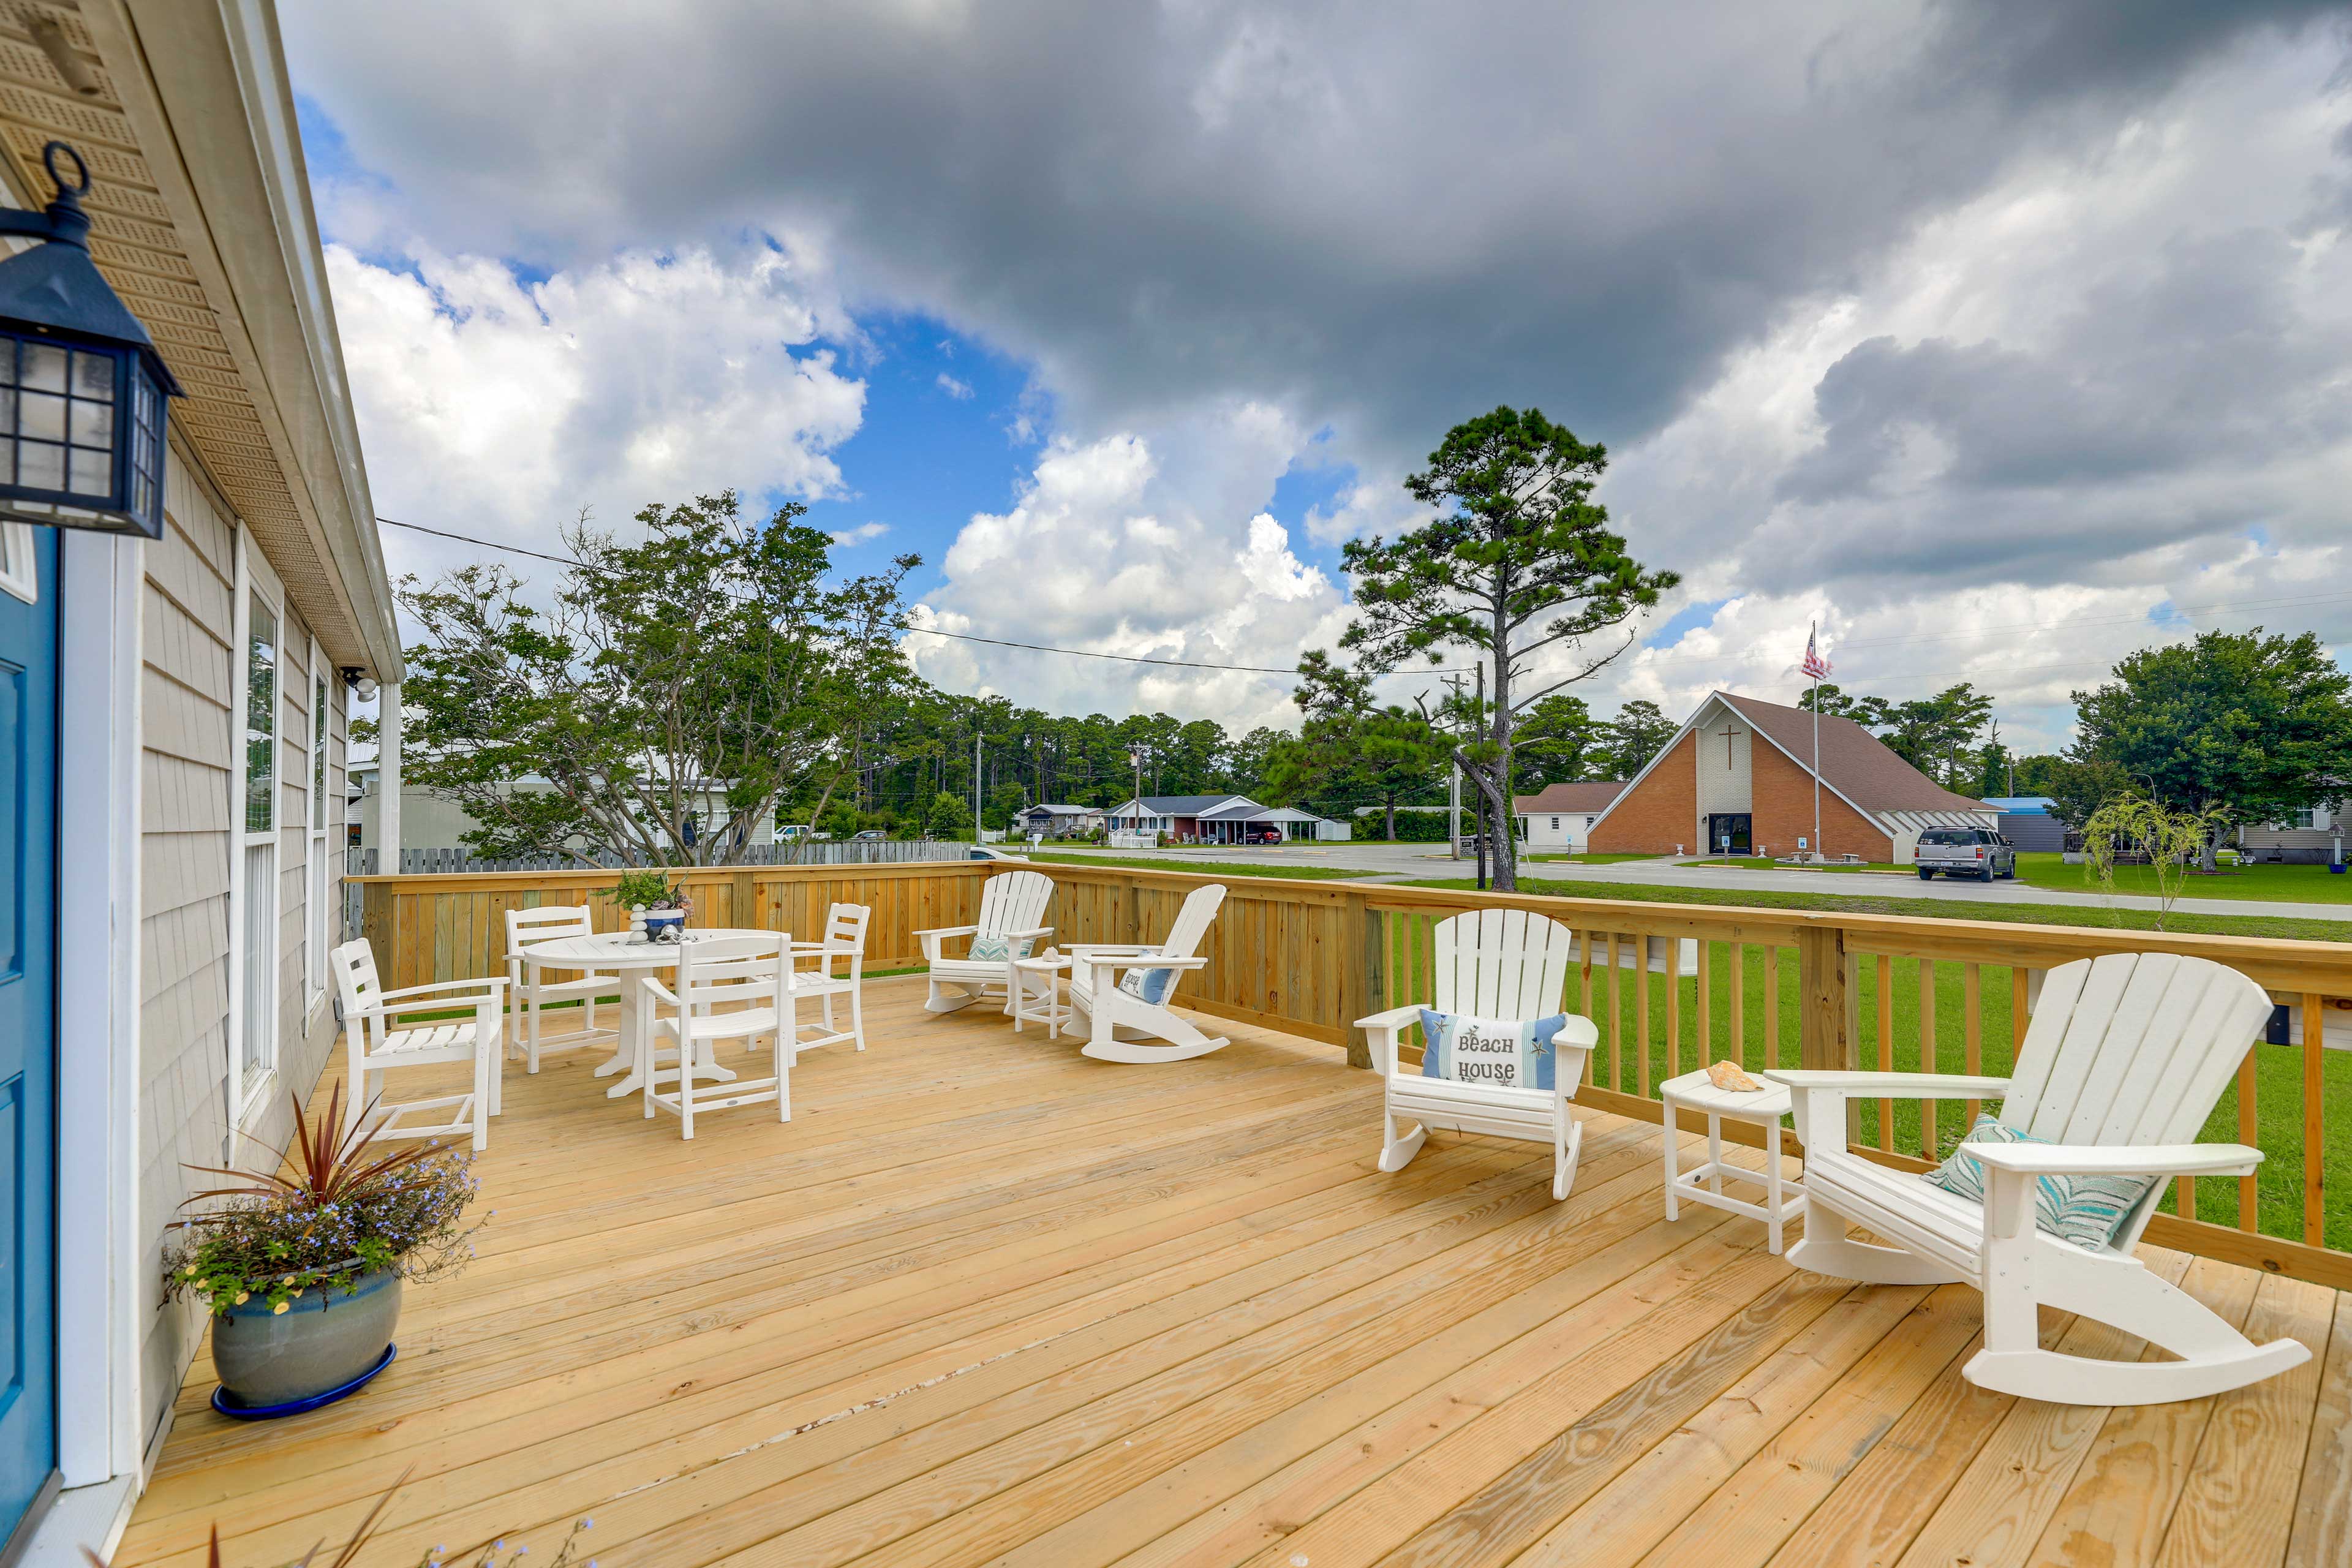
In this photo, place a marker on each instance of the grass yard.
(1207, 868)
(1675, 1046)
(2294, 884)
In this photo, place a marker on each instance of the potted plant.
(661, 905)
(303, 1272)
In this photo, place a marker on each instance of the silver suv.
(1976, 852)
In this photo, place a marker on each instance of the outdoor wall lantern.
(82, 388)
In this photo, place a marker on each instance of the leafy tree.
(2082, 789)
(678, 691)
(2238, 727)
(949, 817)
(1937, 734)
(1558, 741)
(1350, 747)
(1836, 702)
(2167, 839)
(1519, 562)
(1640, 731)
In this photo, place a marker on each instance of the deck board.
(984, 1300)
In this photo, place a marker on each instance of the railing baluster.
(1616, 1045)
(1642, 1015)
(1886, 1046)
(1673, 1066)
(2315, 1128)
(1740, 1003)
(1927, 1062)
(1972, 1030)
(1705, 983)
(1772, 1006)
(2250, 1199)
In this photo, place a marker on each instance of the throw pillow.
(1148, 986)
(998, 949)
(2086, 1210)
(1508, 1052)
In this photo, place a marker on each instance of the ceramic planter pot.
(661, 923)
(322, 1340)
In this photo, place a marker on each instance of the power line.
(929, 631)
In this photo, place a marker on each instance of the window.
(16, 575)
(260, 718)
(1946, 836)
(318, 885)
(257, 947)
(1555, 825)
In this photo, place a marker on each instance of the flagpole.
(1812, 632)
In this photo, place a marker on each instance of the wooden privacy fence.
(1672, 986)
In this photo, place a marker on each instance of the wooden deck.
(985, 1300)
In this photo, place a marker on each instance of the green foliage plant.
(2170, 838)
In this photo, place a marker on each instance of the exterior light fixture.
(82, 391)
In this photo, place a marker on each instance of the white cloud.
(1112, 549)
(959, 390)
(863, 532)
(499, 408)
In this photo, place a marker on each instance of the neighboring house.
(1558, 816)
(431, 821)
(2310, 839)
(1221, 819)
(1740, 775)
(1056, 821)
(182, 743)
(2029, 821)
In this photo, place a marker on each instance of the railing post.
(1363, 973)
(1825, 1039)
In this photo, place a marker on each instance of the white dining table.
(634, 960)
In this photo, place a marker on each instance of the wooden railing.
(1771, 987)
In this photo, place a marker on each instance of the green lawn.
(2293, 884)
(1208, 867)
(2279, 1083)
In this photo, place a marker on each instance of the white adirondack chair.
(1095, 975)
(1490, 964)
(378, 1041)
(2125, 1058)
(1011, 906)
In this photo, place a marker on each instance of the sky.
(1998, 339)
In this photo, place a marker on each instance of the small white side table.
(1044, 1003)
(1764, 1107)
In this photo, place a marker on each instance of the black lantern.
(82, 387)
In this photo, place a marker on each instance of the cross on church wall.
(1730, 735)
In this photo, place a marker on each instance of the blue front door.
(28, 1022)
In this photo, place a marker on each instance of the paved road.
(1408, 862)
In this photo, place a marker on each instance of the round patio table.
(635, 959)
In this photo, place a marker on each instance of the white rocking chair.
(1490, 964)
(1094, 989)
(1011, 906)
(2124, 1059)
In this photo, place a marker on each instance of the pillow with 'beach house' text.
(1503, 1053)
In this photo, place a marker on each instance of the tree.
(1557, 743)
(2239, 726)
(949, 817)
(1519, 562)
(2169, 840)
(1350, 747)
(1836, 702)
(679, 689)
(1640, 731)
(2082, 789)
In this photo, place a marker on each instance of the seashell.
(1727, 1075)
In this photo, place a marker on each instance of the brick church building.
(1739, 773)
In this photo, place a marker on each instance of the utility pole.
(1454, 794)
(1481, 722)
(975, 780)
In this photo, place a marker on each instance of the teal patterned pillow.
(1148, 986)
(2086, 1210)
(998, 949)
(1521, 1048)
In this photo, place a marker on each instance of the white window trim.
(248, 1095)
(318, 790)
(16, 562)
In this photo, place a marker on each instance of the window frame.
(252, 1083)
(317, 881)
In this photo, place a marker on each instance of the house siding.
(187, 785)
(1660, 813)
(1784, 813)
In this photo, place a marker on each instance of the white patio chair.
(1134, 988)
(1012, 913)
(532, 991)
(377, 1043)
(845, 942)
(1490, 964)
(2124, 1061)
(729, 988)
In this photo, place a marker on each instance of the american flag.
(1815, 667)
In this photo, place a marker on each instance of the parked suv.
(1965, 852)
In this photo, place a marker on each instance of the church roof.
(1856, 762)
